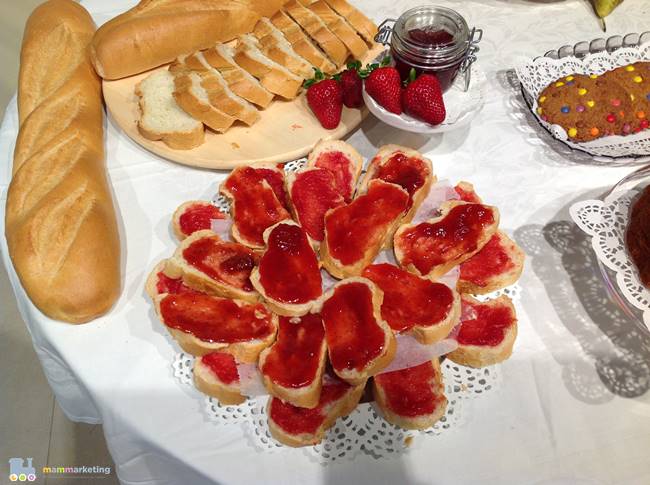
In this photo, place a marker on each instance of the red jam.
(493, 260)
(432, 37)
(295, 420)
(276, 180)
(289, 269)
(197, 217)
(410, 173)
(256, 205)
(226, 262)
(166, 284)
(223, 365)
(214, 319)
(427, 245)
(343, 170)
(489, 325)
(360, 226)
(313, 193)
(295, 358)
(353, 336)
(412, 392)
(467, 195)
(409, 300)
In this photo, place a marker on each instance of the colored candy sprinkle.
(582, 91)
(542, 99)
(626, 128)
(565, 109)
(616, 102)
(629, 68)
(580, 108)
(539, 111)
(640, 115)
(647, 96)
(594, 131)
(573, 132)
(644, 123)
(632, 97)
(569, 78)
(591, 103)
(611, 118)
(593, 76)
(637, 79)
(544, 118)
(559, 84)
(621, 113)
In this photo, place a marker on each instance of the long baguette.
(60, 221)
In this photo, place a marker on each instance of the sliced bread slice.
(193, 99)
(362, 24)
(216, 375)
(161, 118)
(278, 48)
(318, 31)
(274, 77)
(341, 28)
(301, 43)
(240, 82)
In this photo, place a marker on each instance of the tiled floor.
(31, 423)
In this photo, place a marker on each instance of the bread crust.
(278, 49)
(61, 227)
(340, 28)
(435, 333)
(206, 382)
(363, 25)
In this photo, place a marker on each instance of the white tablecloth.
(572, 405)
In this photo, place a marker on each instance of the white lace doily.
(535, 75)
(606, 223)
(364, 430)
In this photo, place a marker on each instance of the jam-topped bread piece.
(342, 160)
(497, 265)
(216, 375)
(202, 324)
(404, 167)
(412, 398)
(258, 202)
(487, 337)
(158, 282)
(466, 193)
(288, 274)
(638, 236)
(210, 265)
(292, 368)
(355, 233)
(421, 307)
(359, 342)
(312, 192)
(433, 247)
(194, 215)
(296, 426)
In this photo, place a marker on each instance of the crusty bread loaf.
(193, 98)
(318, 31)
(277, 48)
(274, 77)
(208, 382)
(220, 56)
(155, 32)
(301, 43)
(60, 222)
(341, 28)
(332, 155)
(363, 25)
(161, 118)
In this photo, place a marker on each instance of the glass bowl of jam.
(433, 40)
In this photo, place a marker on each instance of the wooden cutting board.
(287, 129)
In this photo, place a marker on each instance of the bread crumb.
(235, 146)
(408, 441)
(296, 126)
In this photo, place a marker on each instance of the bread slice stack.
(226, 84)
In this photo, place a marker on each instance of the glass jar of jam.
(433, 40)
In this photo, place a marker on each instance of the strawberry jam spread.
(256, 204)
(214, 319)
(276, 180)
(165, 284)
(467, 195)
(491, 261)
(488, 325)
(431, 244)
(412, 392)
(361, 226)
(223, 365)
(294, 359)
(289, 269)
(226, 262)
(313, 193)
(343, 170)
(197, 217)
(296, 421)
(410, 173)
(353, 335)
(409, 300)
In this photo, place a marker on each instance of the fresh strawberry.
(325, 98)
(422, 99)
(385, 86)
(351, 85)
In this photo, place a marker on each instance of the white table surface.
(572, 405)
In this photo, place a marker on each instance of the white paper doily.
(364, 430)
(535, 75)
(606, 223)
